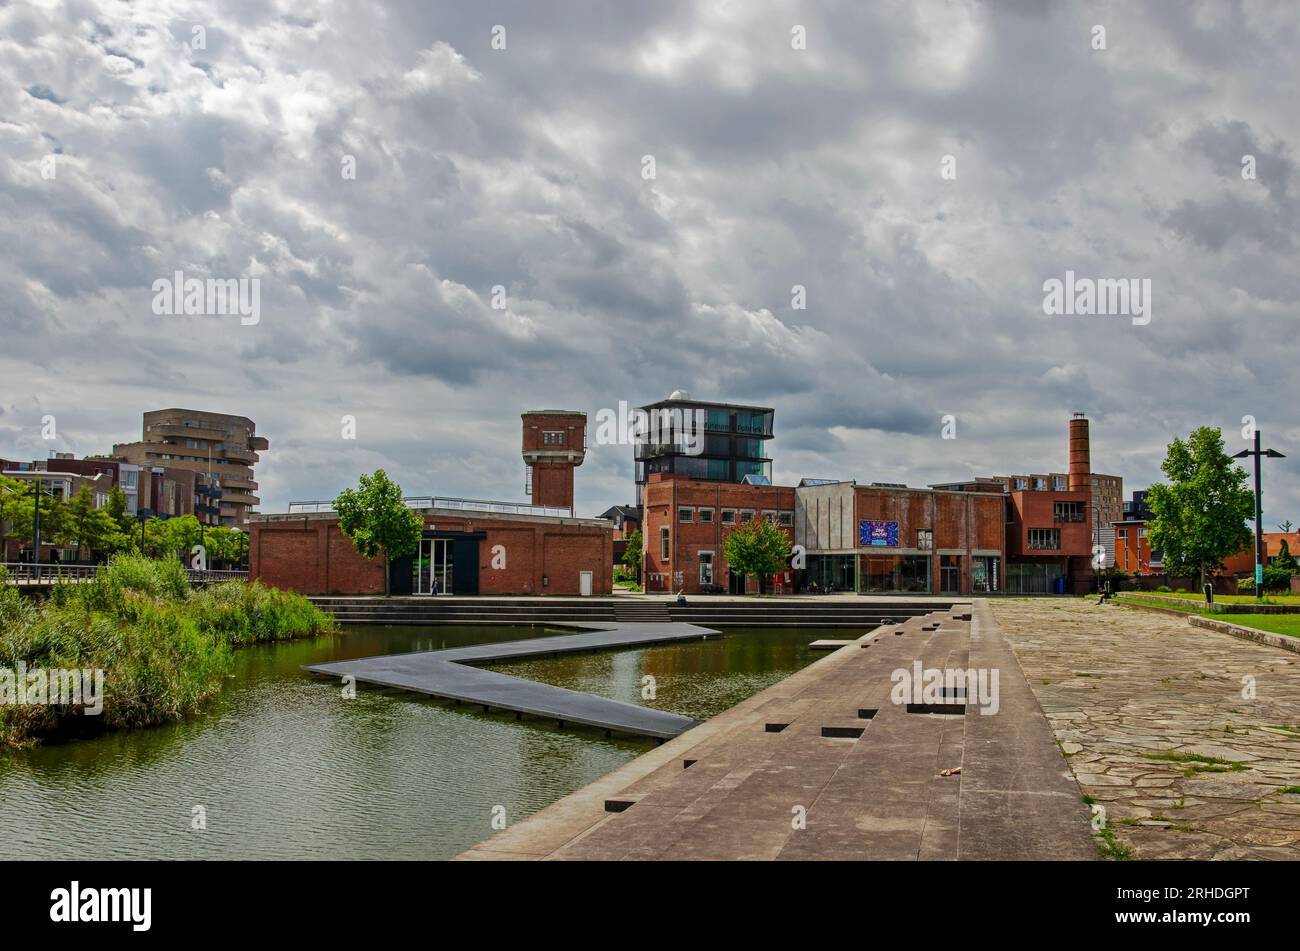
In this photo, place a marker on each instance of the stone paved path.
(1122, 686)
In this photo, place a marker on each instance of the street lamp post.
(1259, 510)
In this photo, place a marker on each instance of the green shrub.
(1165, 588)
(165, 649)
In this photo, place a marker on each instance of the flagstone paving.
(1121, 686)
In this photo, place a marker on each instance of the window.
(1022, 484)
(1044, 538)
(706, 567)
(706, 516)
(686, 515)
(1067, 511)
(1059, 484)
(925, 539)
(770, 516)
(552, 438)
(663, 543)
(1040, 483)
(746, 516)
(728, 516)
(1121, 533)
(787, 519)
(1142, 533)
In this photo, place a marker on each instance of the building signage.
(878, 534)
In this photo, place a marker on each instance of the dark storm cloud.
(522, 168)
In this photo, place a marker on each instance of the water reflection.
(286, 768)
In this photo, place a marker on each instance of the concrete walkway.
(825, 765)
(444, 673)
(1187, 738)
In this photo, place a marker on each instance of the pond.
(282, 767)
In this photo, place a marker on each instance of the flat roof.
(696, 402)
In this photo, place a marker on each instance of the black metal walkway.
(446, 673)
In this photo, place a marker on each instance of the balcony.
(259, 442)
(246, 456)
(187, 432)
(239, 498)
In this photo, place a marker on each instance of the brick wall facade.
(543, 556)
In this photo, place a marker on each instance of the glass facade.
(1033, 577)
(895, 573)
(831, 572)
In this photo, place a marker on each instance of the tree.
(1200, 516)
(181, 534)
(1286, 527)
(759, 547)
(378, 521)
(1285, 560)
(633, 555)
(88, 527)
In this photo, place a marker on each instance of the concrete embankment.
(826, 765)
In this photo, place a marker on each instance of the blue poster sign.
(881, 534)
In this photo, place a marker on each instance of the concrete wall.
(823, 518)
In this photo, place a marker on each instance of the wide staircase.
(706, 612)
(642, 612)
(457, 610)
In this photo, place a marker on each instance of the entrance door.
(584, 583)
(432, 570)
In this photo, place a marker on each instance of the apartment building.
(219, 451)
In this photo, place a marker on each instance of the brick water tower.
(555, 443)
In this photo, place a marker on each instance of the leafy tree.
(181, 534)
(759, 547)
(18, 505)
(116, 508)
(1200, 516)
(378, 521)
(633, 555)
(1285, 560)
(88, 527)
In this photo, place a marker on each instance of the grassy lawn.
(1288, 624)
(1274, 598)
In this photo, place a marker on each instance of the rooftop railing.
(443, 502)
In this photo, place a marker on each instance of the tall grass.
(165, 649)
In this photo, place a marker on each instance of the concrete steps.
(641, 611)
(505, 611)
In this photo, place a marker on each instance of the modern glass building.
(696, 439)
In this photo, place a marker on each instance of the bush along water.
(133, 646)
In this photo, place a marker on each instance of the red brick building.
(468, 546)
(686, 521)
(554, 444)
(871, 539)
(462, 552)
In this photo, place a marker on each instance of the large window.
(1044, 539)
(706, 567)
(1067, 511)
(1032, 578)
(663, 543)
(896, 573)
(984, 573)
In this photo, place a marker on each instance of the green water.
(285, 768)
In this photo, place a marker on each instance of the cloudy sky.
(222, 152)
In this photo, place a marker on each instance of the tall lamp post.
(1259, 510)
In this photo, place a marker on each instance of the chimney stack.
(1080, 460)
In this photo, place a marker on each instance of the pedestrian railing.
(25, 572)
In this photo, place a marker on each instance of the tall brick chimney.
(1080, 458)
